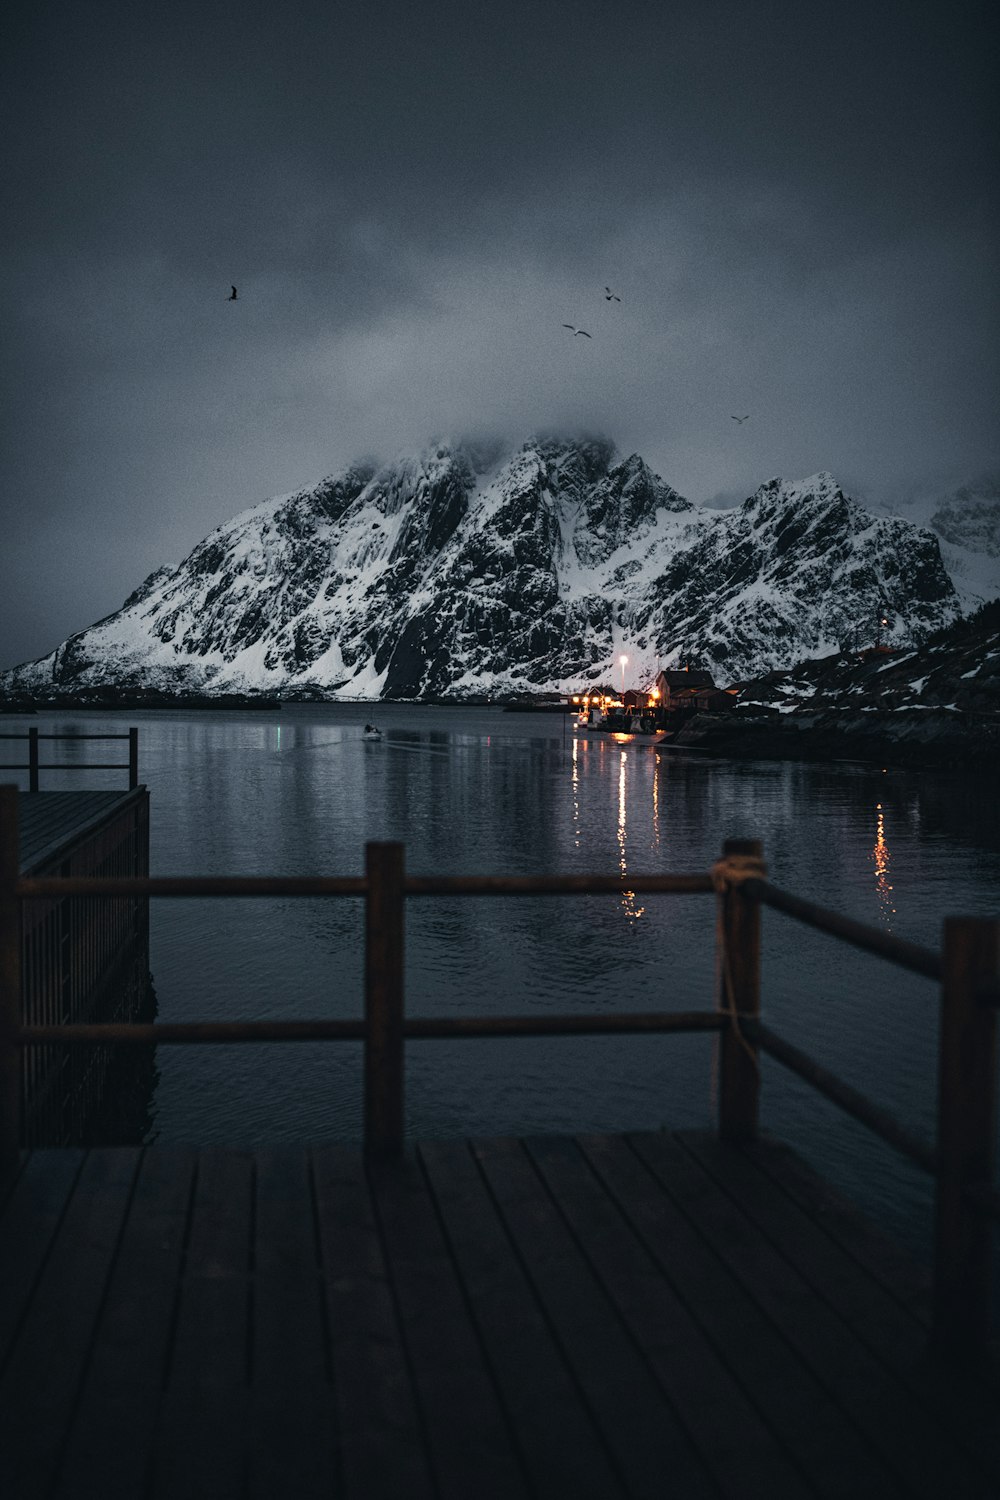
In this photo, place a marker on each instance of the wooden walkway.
(50, 822)
(588, 1318)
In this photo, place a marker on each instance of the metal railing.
(34, 766)
(968, 969)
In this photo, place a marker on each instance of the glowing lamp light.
(624, 663)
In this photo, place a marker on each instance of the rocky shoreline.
(932, 738)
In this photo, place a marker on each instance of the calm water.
(484, 792)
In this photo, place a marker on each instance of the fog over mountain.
(474, 569)
(794, 203)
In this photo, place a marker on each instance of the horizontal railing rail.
(47, 888)
(415, 1028)
(906, 955)
(356, 885)
(849, 1099)
(968, 969)
(40, 736)
(33, 765)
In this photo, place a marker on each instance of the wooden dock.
(83, 962)
(591, 1318)
(51, 825)
(639, 1316)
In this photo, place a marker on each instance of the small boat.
(371, 732)
(640, 727)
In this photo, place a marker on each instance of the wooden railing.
(968, 969)
(33, 764)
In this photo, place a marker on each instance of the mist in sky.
(796, 203)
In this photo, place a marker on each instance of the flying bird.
(609, 295)
(741, 420)
(574, 330)
(232, 296)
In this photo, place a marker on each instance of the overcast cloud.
(795, 201)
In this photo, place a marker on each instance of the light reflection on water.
(477, 791)
(881, 859)
(629, 906)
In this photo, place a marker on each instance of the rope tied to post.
(728, 874)
(733, 869)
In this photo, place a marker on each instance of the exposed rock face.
(939, 702)
(955, 669)
(472, 570)
(971, 517)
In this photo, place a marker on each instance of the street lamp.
(624, 663)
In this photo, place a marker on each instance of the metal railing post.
(739, 996)
(384, 1000)
(967, 1103)
(32, 760)
(133, 759)
(10, 985)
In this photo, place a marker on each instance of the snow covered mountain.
(966, 522)
(473, 570)
(968, 526)
(971, 516)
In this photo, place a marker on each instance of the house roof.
(674, 679)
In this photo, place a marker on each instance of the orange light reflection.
(881, 858)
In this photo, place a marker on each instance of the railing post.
(133, 759)
(32, 760)
(384, 1000)
(967, 1100)
(738, 939)
(10, 985)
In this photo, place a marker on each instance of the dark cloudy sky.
(796, 202)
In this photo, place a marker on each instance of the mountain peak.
(819, 486)
(479, 568)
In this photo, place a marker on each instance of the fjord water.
(480, 791)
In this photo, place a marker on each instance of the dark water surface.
(484, 792)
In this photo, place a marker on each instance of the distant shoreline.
(930, 739)
(264, 702)
(934, 739)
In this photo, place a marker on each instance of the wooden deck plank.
(200, 1444)
(854, 1377)
(31, 1216)
(41, 1383)
(470, 1446)
(641, 1317)
(739, 1449)
(111, 1439)
(650, 1448)
(289, 1340)
(898, 1273)
(211, 1338)
(292, 1420)
(968, 1409)
(291, 1443)
(556, 1434)
(826, 1445)
(10, 1179)
(382, 1451)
